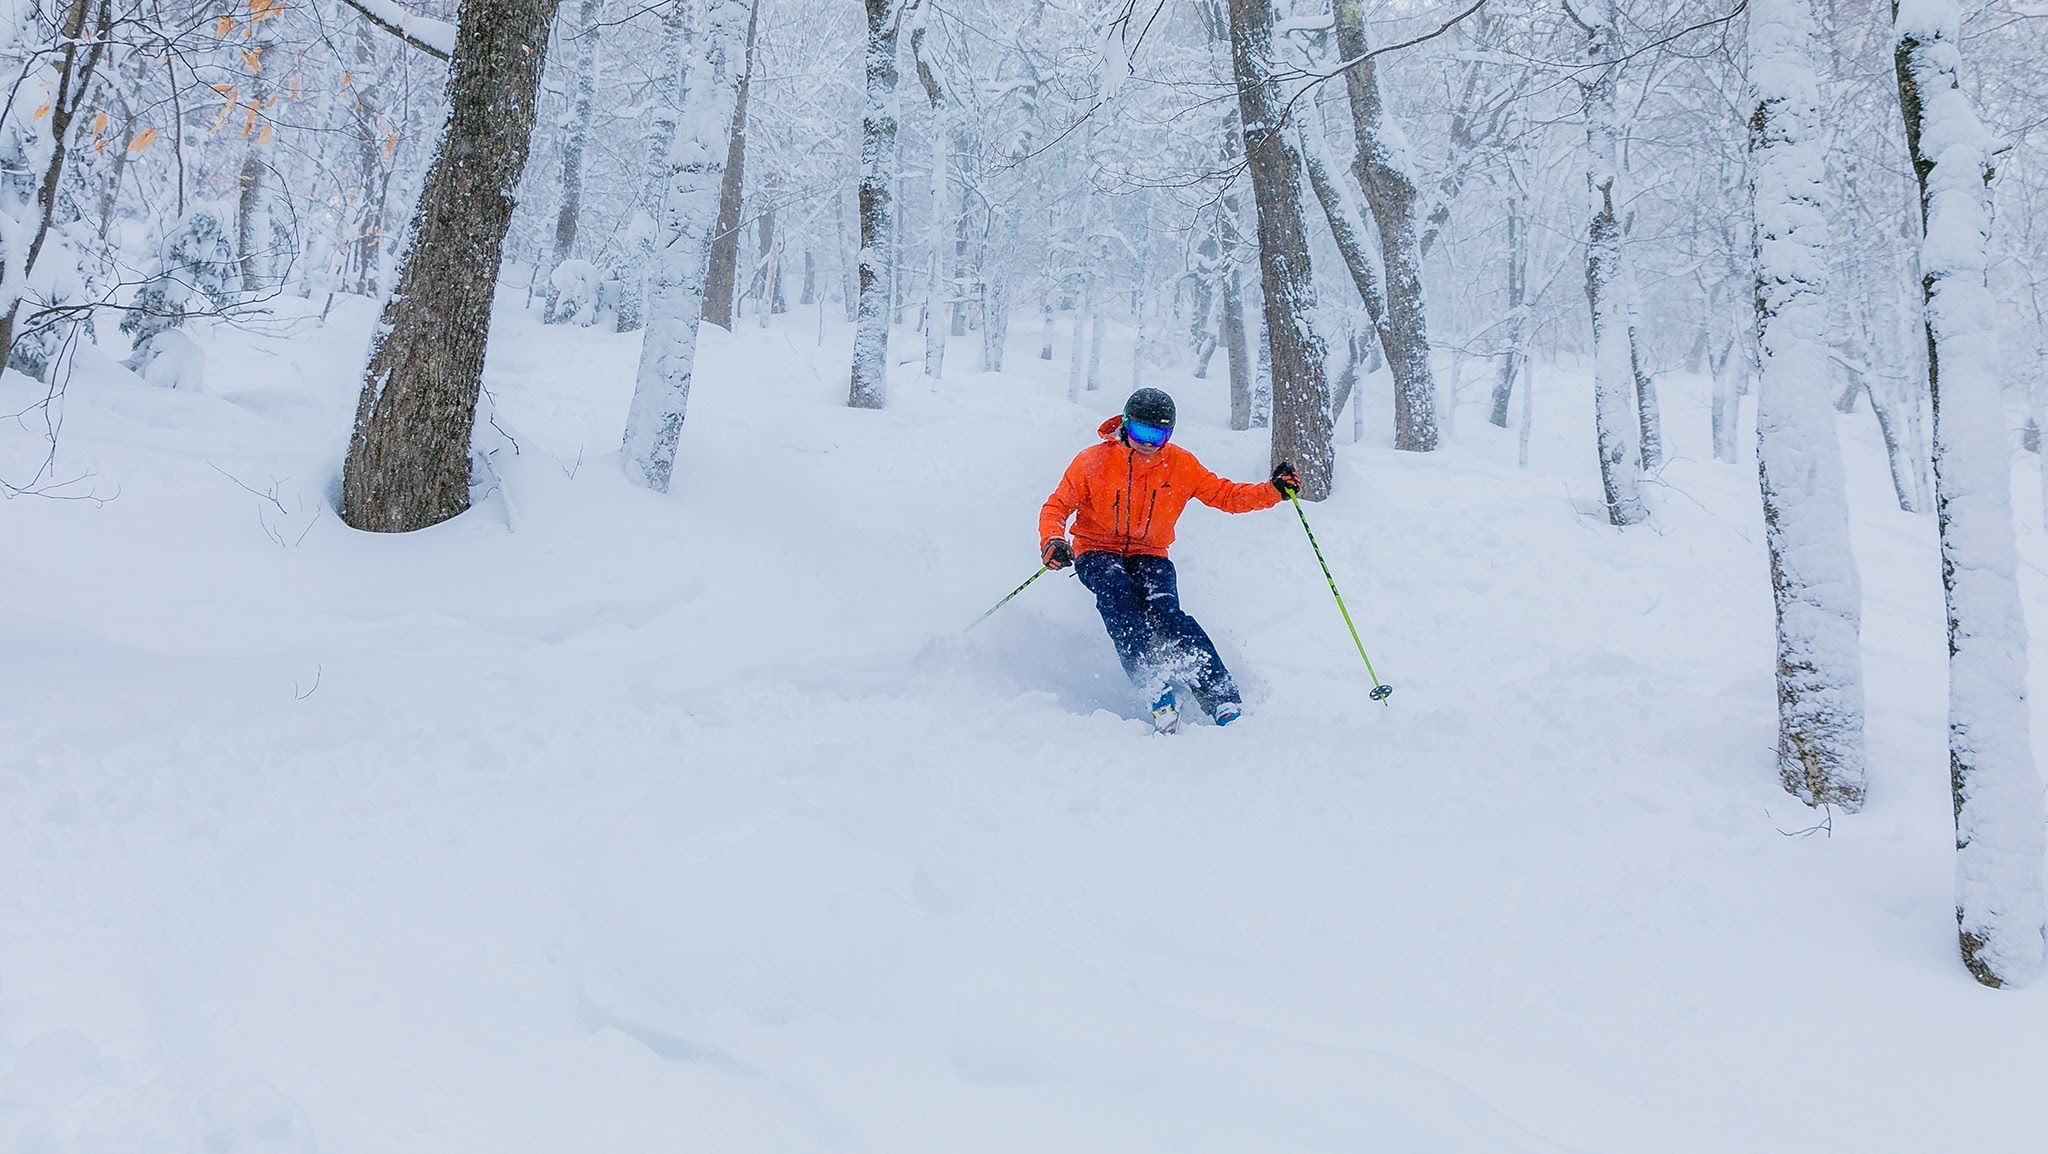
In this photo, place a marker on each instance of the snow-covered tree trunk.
(589, 28)
(1383, 171)
(1045, 334)
(252, 214)
(2000, 914)
(689, 214)
(1345, 211)
(661, 129)
(995, 308)
(935, 286)
(1608, 286)
(869, 388)
(408, 459)
(1806, 506)
(1649, 422)
(1302, 428)
(1518, 306)
(721, 278)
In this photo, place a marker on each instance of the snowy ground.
(597, 820)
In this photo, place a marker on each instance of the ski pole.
(1042, 571)
(1380, 692)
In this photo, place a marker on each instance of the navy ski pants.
(1139, 599)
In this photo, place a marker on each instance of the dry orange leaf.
(226, 110)
(253, 57)
(224, 26)
(224, 89)
(99, 147)
(347, 78)
(390, 145)
(251, 125)
(263, 137)
(142, 140)
(42, 110)
(99, 123)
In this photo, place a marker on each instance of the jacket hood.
(1107, 430)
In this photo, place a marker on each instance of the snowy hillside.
(597, 820)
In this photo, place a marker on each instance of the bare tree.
(1608, 287)
(721, 281)
(1383, 172)
(689, 213)
(1806, 504)
(1302, 426)
(869, 388)
(2001, 917)
(408, 460)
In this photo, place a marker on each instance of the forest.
(1444, 258)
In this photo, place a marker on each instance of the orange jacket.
(1127, 502)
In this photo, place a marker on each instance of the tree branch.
(396, 30)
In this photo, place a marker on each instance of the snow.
(631, 821)
(438, 35)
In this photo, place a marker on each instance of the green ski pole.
(1042, 571)
(1380, 692)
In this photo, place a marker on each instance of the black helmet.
(1150, 407)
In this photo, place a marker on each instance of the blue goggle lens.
(1144, 434)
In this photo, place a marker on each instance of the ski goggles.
(1150, 436)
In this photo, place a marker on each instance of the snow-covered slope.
(599, 820)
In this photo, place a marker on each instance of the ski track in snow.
(601, 820)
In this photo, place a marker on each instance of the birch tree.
(869, 388)
(2000, 916)
(1301, 421)
(1806, 507)
(1384, 172)
(689, 214)
(589, 34)
(1607, 281)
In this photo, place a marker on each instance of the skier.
(1124, 496)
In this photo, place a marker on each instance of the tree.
(2001, 917)
(589, 31)
(1608, 287)
(869, 388)
(408, 460)
(1806, 506)
(1382, 167)
(689, 214)
(721, 282)
(1302, 426)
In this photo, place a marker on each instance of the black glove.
(1058, 554)
(1286, 479)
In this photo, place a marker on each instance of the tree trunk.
(995, 308)
(1382, 170)
(566, 215)
(1518, 308)
(408, 460)
(1345, 212)
(1045, 336)
(1236, 348)
(1607, 282)
(2000, 911)
(1806, 507)
(689, 217)
(870, 378)
(1649, 423)
(661, 131)
(721, 278)
(1302, 430)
